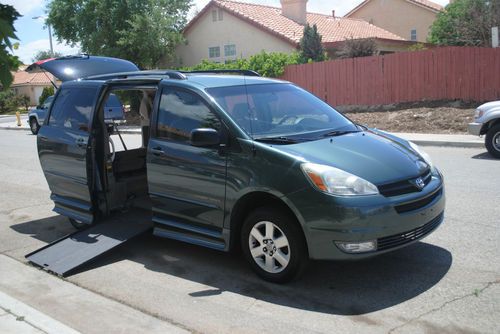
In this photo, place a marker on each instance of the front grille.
(420, 203)
(404, 187)
(409, 236)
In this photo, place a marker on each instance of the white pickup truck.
(487, 121)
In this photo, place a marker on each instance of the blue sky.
(33, 37)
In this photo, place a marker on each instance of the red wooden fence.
(449, 73)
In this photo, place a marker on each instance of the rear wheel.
(492, 141)
(273, 244)
(34, 126)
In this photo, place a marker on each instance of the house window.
(413, 35)
(229, 50)
(214, 52)
(214, 15)
(220, 14)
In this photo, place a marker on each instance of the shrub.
(353, 48)
(9, 102)
(311, 47)
(47, 91)
(268, 64)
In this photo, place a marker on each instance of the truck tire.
(492, 141)
(273, 243)
(34, 126)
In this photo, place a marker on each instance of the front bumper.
(327, 220)
(475, 128)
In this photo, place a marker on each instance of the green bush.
(47, 91)
(268, 64)
(9, 102)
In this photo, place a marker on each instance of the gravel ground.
(419, 120)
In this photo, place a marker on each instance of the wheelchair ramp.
(63, 256)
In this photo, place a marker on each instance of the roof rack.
(123, 75)
(172, 74)
(249, 73)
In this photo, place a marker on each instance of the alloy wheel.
(269, 247)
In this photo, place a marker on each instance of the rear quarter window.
(72, 108)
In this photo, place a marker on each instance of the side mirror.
(204, 137)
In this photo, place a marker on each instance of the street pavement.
(447, 283)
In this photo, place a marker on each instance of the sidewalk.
(33, 301)
(424, 139)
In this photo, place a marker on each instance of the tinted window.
(113, 101)
(73, 108)
(180, 112)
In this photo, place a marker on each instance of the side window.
(180, 112)
(73, 108)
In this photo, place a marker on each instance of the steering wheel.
(113, 151)
(285, 118)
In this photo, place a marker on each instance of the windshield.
(279, 110)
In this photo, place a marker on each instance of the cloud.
(25, 6)
(27, 51)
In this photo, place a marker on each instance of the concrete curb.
(423, 142)
(33, 317)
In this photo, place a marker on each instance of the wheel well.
(247, 204)
(489, 125)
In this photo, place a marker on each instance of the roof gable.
(271, 20)
(426, 4)
(22, 78)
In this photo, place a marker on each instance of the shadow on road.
(343, 288)
(484, 156)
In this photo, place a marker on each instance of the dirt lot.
(421, 120)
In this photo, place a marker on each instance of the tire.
(78, 224)
(273, 258)
(34, 126)
(492, 141)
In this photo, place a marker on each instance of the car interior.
(123, 155)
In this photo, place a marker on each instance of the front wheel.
(492, 141)
(34, 126)
(274, 245)
(78, 224)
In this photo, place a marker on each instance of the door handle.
(157, 151)
(43, 138)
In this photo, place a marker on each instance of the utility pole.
(50, 33)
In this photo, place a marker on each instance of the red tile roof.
(22, 78)
(270, 19)
(424, 3)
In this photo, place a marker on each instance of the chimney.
(333, 13)
(295, 10)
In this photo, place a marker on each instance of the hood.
(375, 156)
(489, 106)
(81, 66)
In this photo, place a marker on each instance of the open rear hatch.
(81, 66)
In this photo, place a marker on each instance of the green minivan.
(234, 160)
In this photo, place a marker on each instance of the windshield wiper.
(277, 140)
(336, 133)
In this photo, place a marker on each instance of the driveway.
(447, 283)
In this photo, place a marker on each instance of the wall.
(398, 17)
(32, 91)
(451, 73)
(248, 39)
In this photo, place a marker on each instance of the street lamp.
(50, 33)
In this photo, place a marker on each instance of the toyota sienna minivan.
(234, 160)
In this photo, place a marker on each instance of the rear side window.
(180, 113)
(72, 108)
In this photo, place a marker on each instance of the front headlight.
(336, 181)
(478, 113)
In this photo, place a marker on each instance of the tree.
(8, 62)
(466, 23)
(46, 92)
(311, 47)
(45, 54)
(143, 31)
(353, 48)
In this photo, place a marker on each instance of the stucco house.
(225, 30)
(31, 84)
(410, 19)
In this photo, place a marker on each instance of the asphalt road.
(448, 283)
